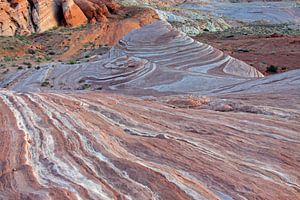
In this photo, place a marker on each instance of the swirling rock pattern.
(61, 142)
(100, 146)
(165, 61)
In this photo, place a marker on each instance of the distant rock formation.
(29, 16)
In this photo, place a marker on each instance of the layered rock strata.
(31, 16)
(104, 146)
(63, 138)
(155, 58)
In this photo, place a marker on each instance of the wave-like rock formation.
(31, 16)
(62, 140)
(165, 61)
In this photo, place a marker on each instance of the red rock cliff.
(30, 16)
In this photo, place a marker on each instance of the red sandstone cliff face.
(30, 16)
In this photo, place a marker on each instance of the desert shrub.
(72, 62)
(81, 81)
(31, 51)
(243, 50)
(7, 59)
(10, 48)
(84, 86)
(128, 15)
(47, 58)
(39, 59)
(22, 38)
(28, 64)
(45, 84)
(272, 69)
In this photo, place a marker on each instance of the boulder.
(73, 15)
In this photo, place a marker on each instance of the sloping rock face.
(30, 16)
(157, 57)
(73, 14)
(67, 141)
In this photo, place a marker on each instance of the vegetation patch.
(7, 59)
(272, 69)
(72, 62)
(45, 84)
(84, 86)
(48, 58)
(240, 50)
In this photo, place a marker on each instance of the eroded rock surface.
(155, 58)
(73, 15)
(63, 138)
(195, 17)
(30, 16)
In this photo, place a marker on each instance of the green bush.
(39, 59)
(272, 69)
(47, 58)
(28, 64)
(8, 59)
(45, 84)
(72, 62)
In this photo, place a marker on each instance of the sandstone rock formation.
(73, 14)
(30, 16)
(166, 61)
(62, 138)
(15, 11)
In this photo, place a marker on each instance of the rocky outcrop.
(73, 14)
(46, 14)
(157, 57)
(15, 17)
(97, 10)
(30, 16)
(62, 138)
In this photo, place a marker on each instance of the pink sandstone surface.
(160, 116)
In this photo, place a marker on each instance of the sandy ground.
(281, 51)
